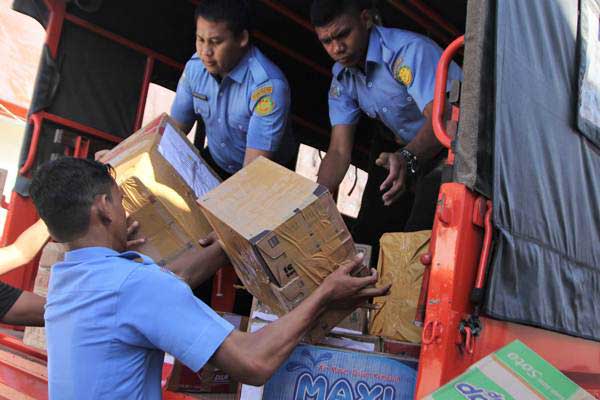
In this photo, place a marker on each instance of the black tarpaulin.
(546, 189)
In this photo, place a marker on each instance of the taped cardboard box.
(400, 265)
(283, 234)
(52, 253)
(162, 175)
(209, 379)
(514, 372)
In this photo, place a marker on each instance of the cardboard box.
(400, 264)
(283, 235)
(209, 379)
(52, 253)
(317, 372)
(162, 175)
(514, 372)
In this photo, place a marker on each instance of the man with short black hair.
(389, 76)
(240, 96)
(111, 313)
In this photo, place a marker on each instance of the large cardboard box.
(400, 264)
(318, 372)
(283, 235)
(514, 372)
(162, 175)
(52, 253)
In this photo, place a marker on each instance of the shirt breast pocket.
(401, 109)
(201, 106)
(239, 121)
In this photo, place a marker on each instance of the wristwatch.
(412, 163)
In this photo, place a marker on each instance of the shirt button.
(409, 98)
(222, 144)
(384, 109)
(240, 127)
(221, 94)
(219, 120)
(370, 84)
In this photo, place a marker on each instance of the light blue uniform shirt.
(109, 320)
(399, 82)
(249, 108)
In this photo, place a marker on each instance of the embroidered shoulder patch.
(263, 91)
(265, 106)
(403, 74)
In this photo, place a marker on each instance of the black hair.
(323, 12)
(63, 192)
(235, 13)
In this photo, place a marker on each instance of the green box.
(514, 372)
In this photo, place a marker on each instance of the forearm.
(425, 145)
(254, 357)
(333, 169)
(252, 154)
(25, 248)
(28, 310)
(198, 265)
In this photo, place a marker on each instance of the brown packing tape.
(399, 264)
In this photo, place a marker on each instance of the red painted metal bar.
(283, 10)
(37, 119)
(439, 99)
(123, 41)
(56, 9)
(139, 117)
(297, 56)
(487, 247)
(18, 345)
(435, 17)
(12, 108)
(419, 19)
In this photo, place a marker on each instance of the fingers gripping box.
(283, 234)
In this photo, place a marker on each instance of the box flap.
(261, 182)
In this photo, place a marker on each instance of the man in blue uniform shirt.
(111, 313)
(241, 97)
(389, 76)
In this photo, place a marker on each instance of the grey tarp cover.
(546, 268)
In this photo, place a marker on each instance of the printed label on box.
(183, 159)
(314, 372)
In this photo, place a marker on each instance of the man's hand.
(344, 290)
(132, 231)
(208, 240)
(394, 184)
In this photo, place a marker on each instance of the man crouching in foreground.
(111, 314)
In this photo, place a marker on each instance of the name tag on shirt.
(200, 96)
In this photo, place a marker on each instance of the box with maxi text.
(514, 372)
(318, 372)
(161, 175)
(283, 234)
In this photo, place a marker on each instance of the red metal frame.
(456, 238)
(37, 120)
(14, 109)
(139, 117)
(439, 100)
